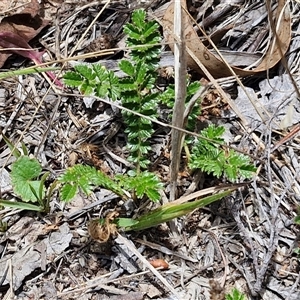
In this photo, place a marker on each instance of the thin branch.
(180, 95)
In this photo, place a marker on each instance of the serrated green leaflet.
(127, 67)
(68, 192)
(85, 71)
(23, 173)
(138, 18)
(209, 157)
(235, 295)
(86, 178)
(73, 79)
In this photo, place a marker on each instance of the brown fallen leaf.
(16, 44)
(215, 65)
(18, 29)
(102, 232)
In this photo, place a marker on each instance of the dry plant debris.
(23, 21)
(246, 241)
(214, 63)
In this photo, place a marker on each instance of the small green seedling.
(235, 295)
(209, 156)
(28, 182)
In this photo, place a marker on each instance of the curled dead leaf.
(26, 24)
(215, 65)
(102, 232)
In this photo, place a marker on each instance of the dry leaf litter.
(246, 241)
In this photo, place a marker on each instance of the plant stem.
(26, 71)
(171, 211)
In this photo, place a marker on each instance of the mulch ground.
(247, 240)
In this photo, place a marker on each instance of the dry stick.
(274, 230)
(293, 290)
(243, 271)
(180, 95)
(148, 265)
(225, 260)
(89, 285)
(196, 273)
(249, 243)
(291, 135)
(10, 294)
(45, 134)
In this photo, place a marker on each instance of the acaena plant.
(210, 155)
(136, 93)
(137, 88)
(168, 98)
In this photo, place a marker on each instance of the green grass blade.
(20, 205)
(125, 222)
(171, 211)
(15, 152)
(26, 71)
(24, 149)
(42, 186)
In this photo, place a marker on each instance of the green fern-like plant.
(143, 184)
(235, 295)
(209, 156)
(86, 178)
(135, 91)
(93, 79)
(168, 98)
(143, 39)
